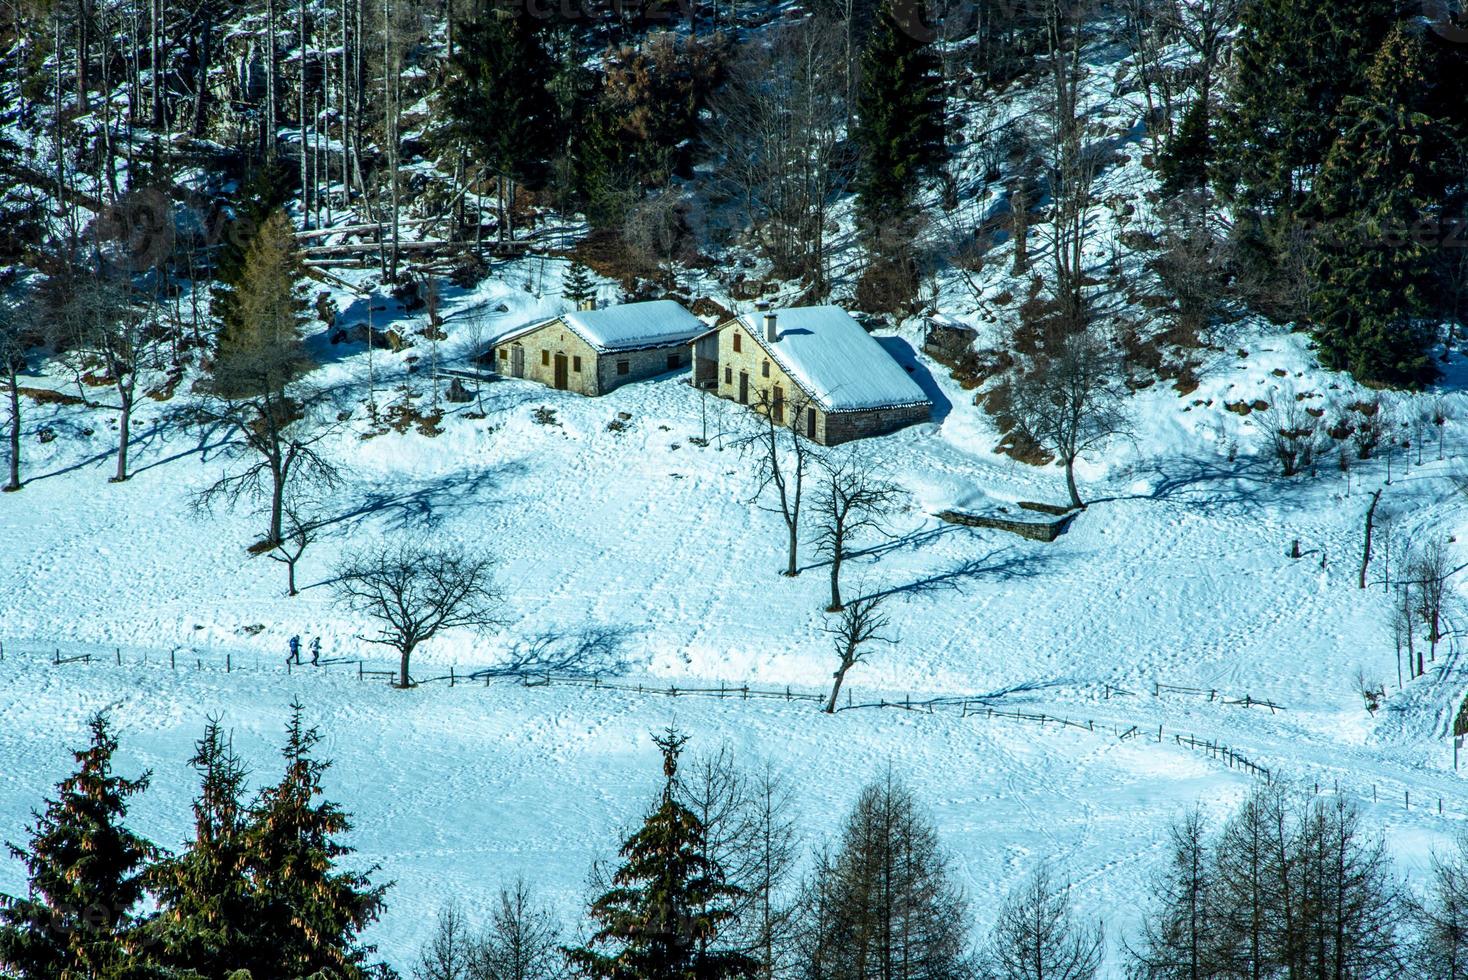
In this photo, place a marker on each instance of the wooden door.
(743, 388)
(561, 376)
(517, 361)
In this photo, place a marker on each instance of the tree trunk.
(124, 426)
(1366, 548)
(14, 482)
(290, 577)
(1070, 484)
(836, 557)
(404, 680)
(791, 571)
(840, 676)
(1019, 206)
(277, 504)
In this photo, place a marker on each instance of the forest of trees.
(719, 879)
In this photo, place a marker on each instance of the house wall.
(831, 429)
(552, 339)
(641, 365)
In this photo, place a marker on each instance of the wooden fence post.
(228, 663)
(173, 660)
(119, 656)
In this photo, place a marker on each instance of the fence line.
(970, 706)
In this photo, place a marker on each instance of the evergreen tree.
(206, 915)
(661, 917)
(307, 912)
(899, 127)
(499, 97)
(1293, 65)
(263, 193)
(1373, 271)
(1189, 152)
(577, 285)
(86, 874)
(262, 348)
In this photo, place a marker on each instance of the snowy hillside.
(1178, 574)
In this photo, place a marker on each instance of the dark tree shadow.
(426, 505)
(1004, 565)
(591, 651)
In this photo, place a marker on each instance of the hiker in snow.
(315, 650)
(295, 651)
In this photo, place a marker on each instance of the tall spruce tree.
(307, 911)
(86, 874)
(261, 347)
(1293, 65)
(661, 917)
(263, 193)
(899, 125)
(499, 98)
(206, 919)
(1373, 270)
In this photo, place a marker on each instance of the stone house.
(814, 368)
(592, 352)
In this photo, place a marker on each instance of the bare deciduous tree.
(1070, 401)
(447, 954)
(1038, 936)
(1429, 571)
(415, 591)
(1291, 434)
(861, 623)
(884, 905)
(523, 941)
(851, 499)
(782, 455)
(297, 535)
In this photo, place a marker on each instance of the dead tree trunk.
(1366, 547)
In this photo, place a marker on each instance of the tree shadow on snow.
(426, 505)
(591, 651)
(1004, 565)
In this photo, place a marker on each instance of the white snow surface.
(628, 326)
(835, 360)
(1177, 574)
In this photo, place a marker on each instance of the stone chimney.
(589, 303)
(772, 331)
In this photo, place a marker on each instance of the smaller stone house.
(592, 352)
(814, 368)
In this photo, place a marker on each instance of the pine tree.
(263, 349)
(899, 126)
(307, 912)
(661, 917)
(206, 918)
(577, 285)
(1293, 65)
(1188, 154)
(1372, 273)
(86, 874)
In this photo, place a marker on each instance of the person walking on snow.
(295, 651)
(315, 651)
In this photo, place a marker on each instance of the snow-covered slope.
(1177, 575)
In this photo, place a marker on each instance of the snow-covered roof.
(834, 360)
(631, 326)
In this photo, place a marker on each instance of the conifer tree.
(262, 348)
(1189, 152)
(206, 918)
(1372, 270)
(86, 877)
(1293, 65)
(264, 193)
(667, 903)
(899, 126)
(308, 912)
(577, 285)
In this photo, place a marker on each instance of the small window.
(504, 354)
(765, 369)
(728, 375)
(674, 362)
(545, 358)
(736, 342)
(624, 367)
(576, 364)
(810, 423)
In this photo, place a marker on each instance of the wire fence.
(988, 708)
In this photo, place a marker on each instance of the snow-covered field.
(1178, 574)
